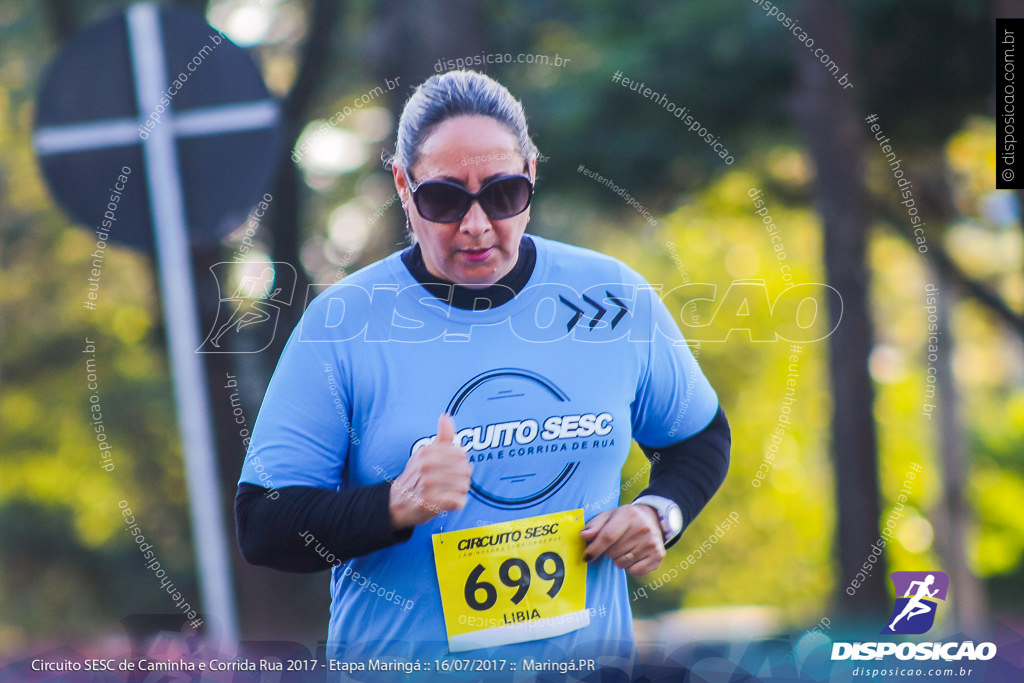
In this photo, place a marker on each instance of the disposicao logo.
(917, 594)
(917, 599)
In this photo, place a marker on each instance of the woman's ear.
(405, 195)
(402, 185)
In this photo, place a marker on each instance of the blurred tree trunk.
(271, 605)
(828, 115)
(952, 515)
(285, 211)
(274, 605)
(427, 32)
(953, 518)
(62, 16)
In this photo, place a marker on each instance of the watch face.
(674, 519)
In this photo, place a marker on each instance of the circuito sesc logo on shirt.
(524, 436)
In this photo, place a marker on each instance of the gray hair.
(457, 93)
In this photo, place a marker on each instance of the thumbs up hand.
(436, 479)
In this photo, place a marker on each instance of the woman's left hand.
(630, 535)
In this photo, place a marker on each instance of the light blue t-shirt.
(547, 391)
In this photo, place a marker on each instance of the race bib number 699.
(512, 582)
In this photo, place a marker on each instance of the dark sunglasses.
(440, 201)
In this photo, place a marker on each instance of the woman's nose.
(475, 221)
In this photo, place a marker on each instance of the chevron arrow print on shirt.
(599, 311)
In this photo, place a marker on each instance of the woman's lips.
(477, 254)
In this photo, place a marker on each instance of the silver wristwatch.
(669, 515)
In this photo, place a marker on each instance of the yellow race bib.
(512, 582)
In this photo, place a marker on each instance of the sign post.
(73, 148)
